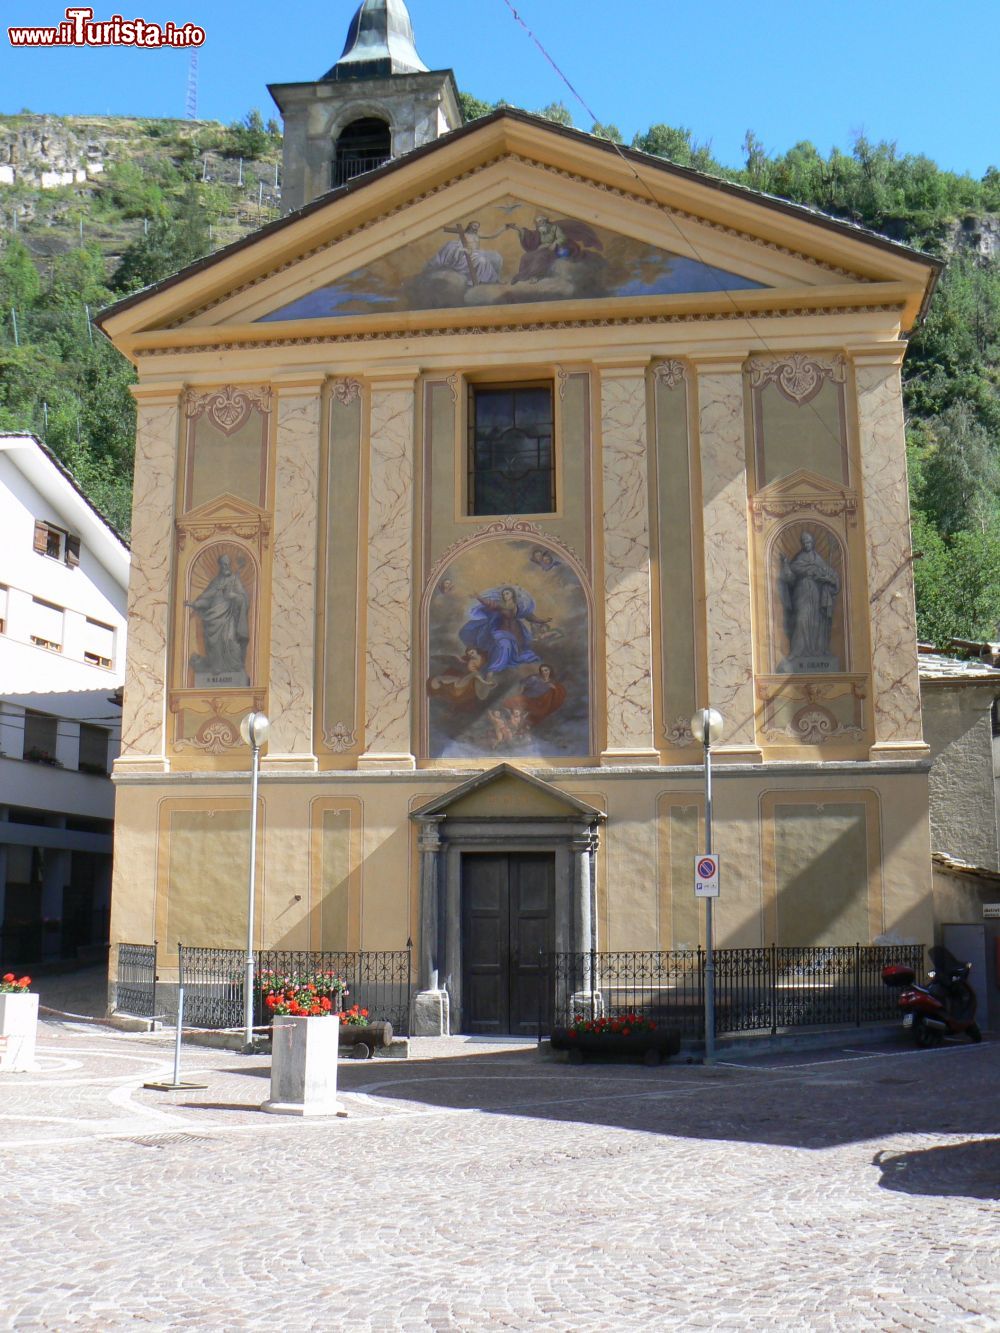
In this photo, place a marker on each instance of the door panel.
(507, 923)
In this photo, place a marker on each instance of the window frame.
(467, 445)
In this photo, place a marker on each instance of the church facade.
(478, 475)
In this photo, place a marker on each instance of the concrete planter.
(304, 1066)
(18, 1022)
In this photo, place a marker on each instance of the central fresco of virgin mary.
(508, 656)
(510, 252)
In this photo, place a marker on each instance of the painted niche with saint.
(809, 588)
(221, 611)
(509, 657)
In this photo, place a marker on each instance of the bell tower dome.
(377, 102)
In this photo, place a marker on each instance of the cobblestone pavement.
(847, 1189)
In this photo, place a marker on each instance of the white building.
(63, 584)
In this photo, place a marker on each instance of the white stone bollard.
(304, 1066)
(18, 1022)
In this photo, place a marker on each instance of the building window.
(46, 629)
(93, 750)
(98, 643)
(57, 544)
(362, 146)
(40, 731)
(511, 463)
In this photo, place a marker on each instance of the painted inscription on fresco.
(509, 666)
(510, 252)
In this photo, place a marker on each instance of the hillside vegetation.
(168, 192)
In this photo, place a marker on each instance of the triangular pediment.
(505, 792)
(224, 508)
(506, 219)
(510, 253)
(802, 483)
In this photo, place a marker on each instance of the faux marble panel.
(149, 583)
(895, 686)
(627, 593)
(390, 567)
(293, 573)
(727, 555)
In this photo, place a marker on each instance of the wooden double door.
(507, 927)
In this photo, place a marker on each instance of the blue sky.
(921, 73)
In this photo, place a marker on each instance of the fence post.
(409, 985)
(542, 979)
(153, 1014)
(773, 974)
(857, 985)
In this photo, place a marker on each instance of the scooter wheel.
(973, 1033)
(924, 1036)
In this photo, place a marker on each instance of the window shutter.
(41, 538)
(73, 551)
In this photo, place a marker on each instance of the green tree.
(611, 132)
(558, 112)
(474, 108)
(247, 137)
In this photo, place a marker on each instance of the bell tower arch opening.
(362, 145)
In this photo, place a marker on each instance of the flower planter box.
(18, 1023)
(651, 1047)
(360, 1041)
(304, 1066)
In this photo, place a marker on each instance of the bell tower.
(377, 102)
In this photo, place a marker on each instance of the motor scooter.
(944, 1006)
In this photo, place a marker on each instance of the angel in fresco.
(541, 694)
(501, 627)
(223, 609)
(464, 255)
(463, 683)
(549, 240)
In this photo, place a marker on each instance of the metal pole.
(709, 949)
(251, 887)
(180, 1025)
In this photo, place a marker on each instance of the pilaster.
(293, 575)
(389, 633)
(627, 587)
(143, 747)
(729, 638)
(888, 545)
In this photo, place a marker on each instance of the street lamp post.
(253, 729)
(706, 727)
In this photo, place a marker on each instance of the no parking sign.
(706, 876)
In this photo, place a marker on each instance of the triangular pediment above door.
(505, 792)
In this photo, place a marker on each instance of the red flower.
(24, 983)
(8, 976)
(326, 1003)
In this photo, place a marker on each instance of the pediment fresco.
(508, 253)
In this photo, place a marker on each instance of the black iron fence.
(135, 988)
(756, 990)
(214, 981)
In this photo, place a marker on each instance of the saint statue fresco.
(223, 608)
(808, 586)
